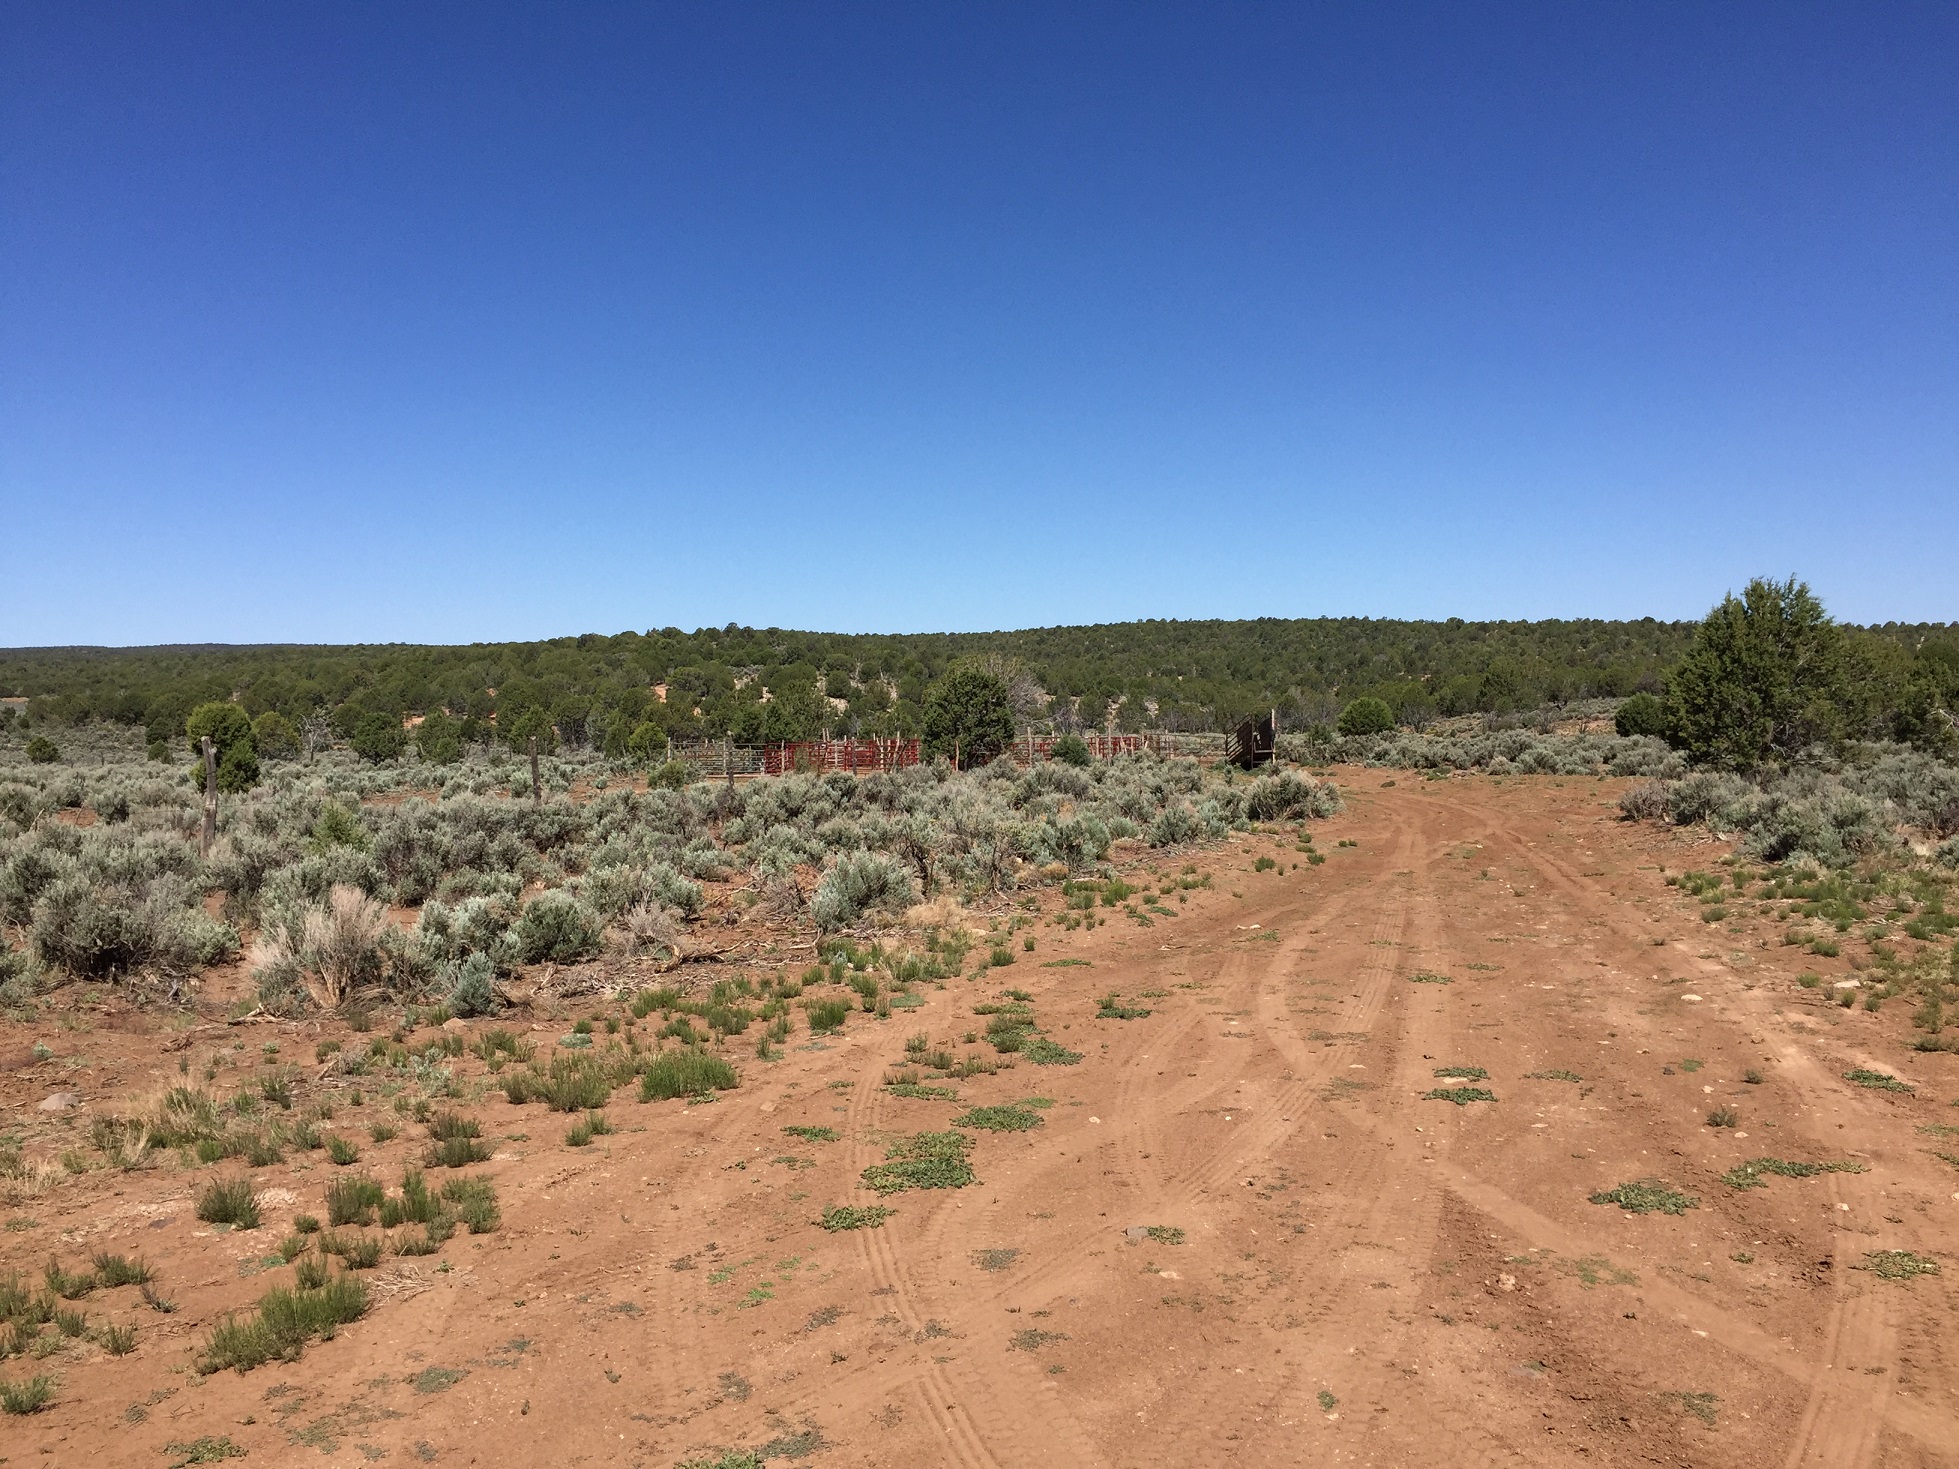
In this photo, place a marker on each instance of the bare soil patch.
(1238, 1231)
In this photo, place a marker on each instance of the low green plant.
(576, 1081)
(1749, 1174)
(474, 1201)
(1897, 1264)
(854, 1216)
(999, 1119)
(1878, 1080)
(925, 1160)
(282, 1325)
(205, 1450)
(360, 1251)
(1462, 1073)
(342, 1151)
(826, 1015)
(687, 1072)
(455, 1152)
(446, 1125)
(228, 1201)
(813, 1134)
(1462, 1096)
(28, 1395)
(1112, 1008)
(70, 1285)
(1552, 1076)
(353, 1200)
(1723, 1117)
(1044, 1052)
(1647, 1196)
(113, 1270)
(591, 1125)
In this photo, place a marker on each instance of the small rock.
(60, 1102)
(454, 1024)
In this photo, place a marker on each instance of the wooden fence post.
(537, 791)
(210, 833)
(728, 759)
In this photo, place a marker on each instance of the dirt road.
(1241, 1235)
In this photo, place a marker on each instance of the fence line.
(726, 757)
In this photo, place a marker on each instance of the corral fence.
(852, 755)
(730, 758)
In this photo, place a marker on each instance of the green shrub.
(826, 1015)
(455, 1152)
(353, 1200)
(1071, 749)
(228, 1201)
(572, 1083)
(969, 715)
(475, 1203)
(474, 989)
(42, 750)
(378, 737)
(1768, 675)
(1642, 714)
(685, 1073)
(275, 735)
(282, 1325)
(556, 926)
(1366, 716)
(859, 883)
(27, 1396)
(229, 729)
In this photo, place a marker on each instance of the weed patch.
(1749, 1174)
(1878, 1081)
(282, 1325)
(685, 1073)
(1897, 1264)
(1462, 1096)
(854, 1216)
(999, 1119)
(1647, 1196)
(925, 1160)
(228, 1201)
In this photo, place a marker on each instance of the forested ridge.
(773, 683)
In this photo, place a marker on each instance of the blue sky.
(447, 323)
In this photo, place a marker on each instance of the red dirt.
(1437, 1272)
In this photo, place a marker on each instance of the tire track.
(1841, 1416)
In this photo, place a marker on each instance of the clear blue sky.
(445, 323)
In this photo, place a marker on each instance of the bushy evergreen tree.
(1366, 716)
(968, 715)
(1768, 676)
(1642, 714)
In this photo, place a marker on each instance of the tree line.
(632, 692)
